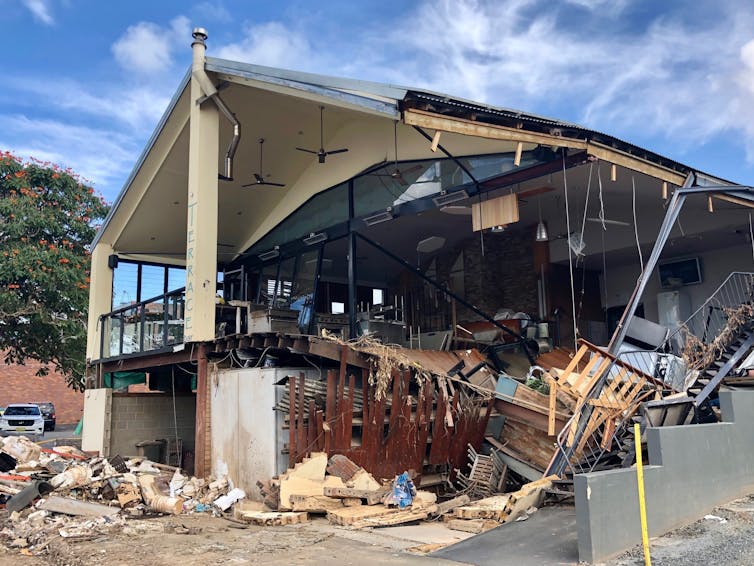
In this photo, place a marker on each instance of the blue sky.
(85, 81)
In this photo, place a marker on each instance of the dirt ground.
(724, 538)
(193, 540)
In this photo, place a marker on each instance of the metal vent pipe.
(199, 48)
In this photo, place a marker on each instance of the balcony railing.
(153, 324)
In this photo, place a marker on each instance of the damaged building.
(301, 263)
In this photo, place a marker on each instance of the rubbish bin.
(151, 450)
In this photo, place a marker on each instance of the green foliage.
(48, 217)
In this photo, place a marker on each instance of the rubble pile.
(350, 496)
(67, 493)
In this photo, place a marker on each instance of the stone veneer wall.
(503, 277)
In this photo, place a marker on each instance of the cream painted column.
(201, 227)
(100, 297)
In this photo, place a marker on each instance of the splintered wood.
(420, 420)
(603, 391)
(503, 508)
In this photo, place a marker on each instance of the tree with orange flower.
(48, 217)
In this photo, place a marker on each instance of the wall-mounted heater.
(445, 198)
(271, 254)
(383, 216)
(313, 238)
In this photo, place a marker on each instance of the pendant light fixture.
(541, 234)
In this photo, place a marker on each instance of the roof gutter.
(199, 48)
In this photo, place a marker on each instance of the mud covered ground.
(195, 540)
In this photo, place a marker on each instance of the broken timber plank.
(398, 517)
(350, 515)
(372, 496)
(488, 508)
(273, 518)
(475, 526)
(315, 503)
(530, 495)
(450, 504)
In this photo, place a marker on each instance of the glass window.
(378, 296)
(176, 278)
(125, 279)
(337, 308)
(390, 186)
(320, 212)
(152, 281)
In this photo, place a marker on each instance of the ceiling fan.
(397, 174)
(259, 177)
(321, 153)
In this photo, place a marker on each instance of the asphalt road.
(63, 434)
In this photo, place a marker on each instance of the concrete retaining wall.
(693, 468)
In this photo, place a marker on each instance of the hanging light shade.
(542, 235)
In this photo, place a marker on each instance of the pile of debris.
(65, 492)
(350, 496)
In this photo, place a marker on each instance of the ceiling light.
(380, 217)
(456, 209)
(664, 190)
(542, 235)
(313, 238)
(271, 254)
(613, 172)
(445, 198)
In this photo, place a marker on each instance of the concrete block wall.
(692, 469)
(149, 416)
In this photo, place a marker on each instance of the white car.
(22, 418)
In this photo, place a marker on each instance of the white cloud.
(102, 156)
(272, 44)
(137, 106)
(669, 78)
(41, 10)
(147, 48)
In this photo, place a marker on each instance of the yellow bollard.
(642, 502)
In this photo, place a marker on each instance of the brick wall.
(149, 416)
(18, 384)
